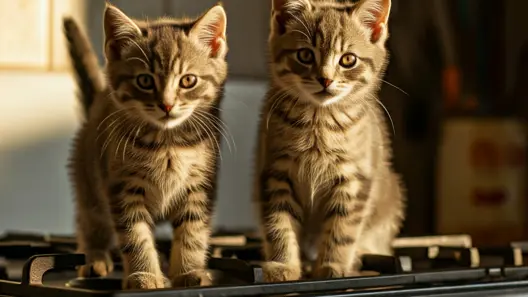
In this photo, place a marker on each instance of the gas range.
(44, 265)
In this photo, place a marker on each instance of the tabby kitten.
(324, 183)
(148, 149)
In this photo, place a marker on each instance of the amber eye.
(348, 60)
(188, 81)
(145, 81)
(305, 56)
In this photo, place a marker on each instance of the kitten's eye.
(145, 81)
(188, 81)
(348, 60)
(305, 56)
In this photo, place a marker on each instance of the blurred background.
(456, 90)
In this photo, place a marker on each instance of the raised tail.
(88, 73)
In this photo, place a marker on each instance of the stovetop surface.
(44, 265)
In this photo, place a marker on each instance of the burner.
(421, 266)
(222, 270)
(96, 284)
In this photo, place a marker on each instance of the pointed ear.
(211, 30)
(374, 14)
(284, 10)
(118, 30)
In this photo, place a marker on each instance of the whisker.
(304, 25)
(282, 95)
(394, 86)
(109, 126)
(214, 107)
(202, 119)
(191, 122)
(221, 127)
(388, 114)
(223, 132)
(126, 142)
(239, 100)
(122, 135)
(110, 137)
(209, 133)
(293, 106)
(137, 45)
(139, 59)
(301, 32)
(137, 132)
(113, 113)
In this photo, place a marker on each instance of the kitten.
(324, 183)
(149, 147)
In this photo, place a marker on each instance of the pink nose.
(166, 107)
(325, 82)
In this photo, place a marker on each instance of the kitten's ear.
(211, 30)
(284, 10)
(374, 14)
(118, 30)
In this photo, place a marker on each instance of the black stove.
(44, 265)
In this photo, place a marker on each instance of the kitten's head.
(326, 50)
(164, 71)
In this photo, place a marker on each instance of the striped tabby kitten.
(324, 182)
(149, 147)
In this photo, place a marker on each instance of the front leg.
(344, 218)
(191, 231)
(281, 216)
(134, 225)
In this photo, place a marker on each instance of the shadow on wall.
(35, 188)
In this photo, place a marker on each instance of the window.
(31, 33)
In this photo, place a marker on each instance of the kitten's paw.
(278, 272)
(145, 281)
(329, 271)
(97, 262)
(192, 279)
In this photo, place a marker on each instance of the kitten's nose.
(325, 82)
(166, 107)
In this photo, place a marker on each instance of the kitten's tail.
(88, 73)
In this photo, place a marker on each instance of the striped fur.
(88, 74)
(135, 161)
(324, 184)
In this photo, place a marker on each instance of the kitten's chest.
(319, 160)
(167, 170)
(323, 150)
(170, 172)
(173, 164)
(168, 161)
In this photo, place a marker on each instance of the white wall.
(39, 115)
